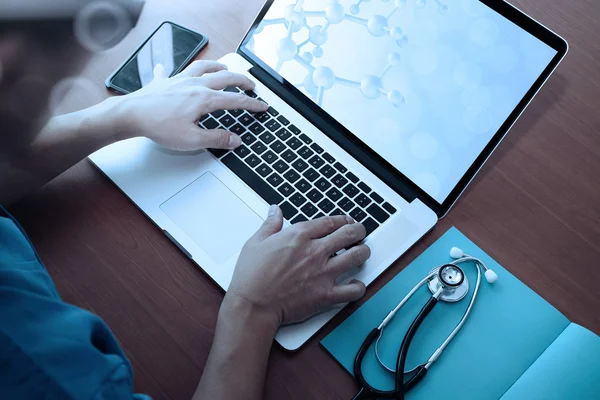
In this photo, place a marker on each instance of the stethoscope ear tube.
(400, 386)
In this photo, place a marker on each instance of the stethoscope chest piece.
(452, 280)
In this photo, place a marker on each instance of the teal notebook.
(514, 346)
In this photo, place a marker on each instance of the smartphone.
(170, 44)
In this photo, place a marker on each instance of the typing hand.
(168, 109)
(290, 274)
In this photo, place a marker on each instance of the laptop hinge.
(355, 149)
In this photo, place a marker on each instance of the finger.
(349, 292)
(234, 101)
(354, 257)
(321, 227)
(345, 237)
(217, 139)
(160, 72)
(223, 79)
(199, 68)
(271, 226)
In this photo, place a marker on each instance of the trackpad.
(213, 217)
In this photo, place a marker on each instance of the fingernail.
(273, 210)
(349, 219)
(234, 141)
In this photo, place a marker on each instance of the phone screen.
(171, 45)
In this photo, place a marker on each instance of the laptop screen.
(426, 84)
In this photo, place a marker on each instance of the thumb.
(160, 72)
(272, 224)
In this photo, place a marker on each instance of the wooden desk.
(535, 207)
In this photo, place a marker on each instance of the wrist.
(251, 314)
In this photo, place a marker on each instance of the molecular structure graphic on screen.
(322, 78)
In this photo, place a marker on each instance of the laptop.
(382, 110)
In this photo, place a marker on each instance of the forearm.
(237, 364)
(63, 142)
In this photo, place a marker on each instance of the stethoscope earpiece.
(456, 253)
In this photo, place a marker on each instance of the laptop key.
(328, 171)
(262, 116)
(231, 89)
(286, 189)
(227, 121)
(370, 225)
(251, 93)
(278, 147)
(328, 158)
(389, 208)
(309, 210)
(323, 184)
(248, 138)
(358, 214)
(351, 191)
(302, 185)
(288, 210)
(311, 175)
(353, 178)
(289, 156)
(275, 179)
(314, 195)
(295, 130)
(256, 128)
(362, 200)
(318, 149)
(305, 152)
(340, 167)
(267, 137)
(334, 194)
(378, 199)
(269, 157)
(292, 176)
(218, 114)
(298, 219)
(281, 167)
(264, 170)
(273, 125)
(238, 129)
(283, 134)
(337, 211)
(242, 151)
(305, 138)
(326, 206)
(316, 162)
(319, 215)
(299, 165)
(294, 143)
(346, 204)
(283, 120)
(259, 148)
(246, 119)
(339, 181)
(297, 199)
(273, 111)
(210, 123)
(204, 118)
(362, 186)
(236, 113)
(377, 212)
(252, 160)
(261, 187)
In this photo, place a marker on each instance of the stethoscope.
(447, 283)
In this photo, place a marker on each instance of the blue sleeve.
(49, 349)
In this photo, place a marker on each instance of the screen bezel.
(373, 161)
(201, 44)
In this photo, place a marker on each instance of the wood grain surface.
(535, 207)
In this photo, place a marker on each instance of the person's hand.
(291, 274)
(168, 109)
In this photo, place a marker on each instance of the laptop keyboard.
(286, 167)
